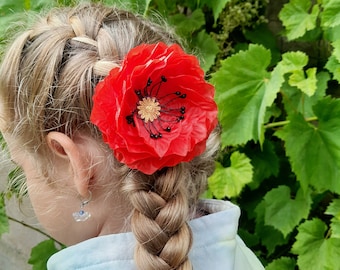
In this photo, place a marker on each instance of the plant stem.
(286, 122)
(34, 229)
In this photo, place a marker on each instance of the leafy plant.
(277, 88)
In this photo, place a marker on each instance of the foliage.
(40, 254)
(278, 95)
(4, 226)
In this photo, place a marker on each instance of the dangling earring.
(83, 215)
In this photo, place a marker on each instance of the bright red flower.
(156, 110)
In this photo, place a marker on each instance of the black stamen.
(139, 94)
(130, 120)
(180, 118)
(171, 111)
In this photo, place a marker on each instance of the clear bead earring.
(83, 215)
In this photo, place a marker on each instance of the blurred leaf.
(293, 61)
(333, 65)
(208, 49)
(297, 19)
(265, 162)
(216, 5)
(336, 49)
(334, 210)
(332, 34)
(283, 263)
(330, 16)
(41, 253)
(250, 239)
(186, 25)
(139, 6)
(4, 225)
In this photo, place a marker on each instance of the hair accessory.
(83, 215)
(156, 110)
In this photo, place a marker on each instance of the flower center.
(158, 111)
(149, 109)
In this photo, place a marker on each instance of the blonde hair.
(47, 79)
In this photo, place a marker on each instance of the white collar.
(116, 250)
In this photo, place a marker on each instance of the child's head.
(47, 81)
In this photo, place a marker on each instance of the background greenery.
(276, 68)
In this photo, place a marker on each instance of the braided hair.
(47, 80)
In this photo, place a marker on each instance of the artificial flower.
(155, 110)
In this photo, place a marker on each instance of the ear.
(68, 151)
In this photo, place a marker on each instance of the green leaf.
(263, 36)
(16, 183)
(264, 160)
(186, 25)
(283, 263)
(3, 145)
(330, 16)
(336, 49)
(244, 91)
(7, 6)
(314, 251)
(41, 253)
(306, 85)
(216, 5)
(278, 204)
(4, 225)
(332, 34)
(139, 6)
(208, 49)
(314, 150)
(334, 210)
(333, 65)
(270, 237)
(240, 90)
(297, 19)
(250, 239)
(229, 182)
(293, 61)
(296, 101)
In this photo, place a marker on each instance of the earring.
(83, 215)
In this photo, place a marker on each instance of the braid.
(159, 220)
(53, 70)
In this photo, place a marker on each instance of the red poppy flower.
(156, 110)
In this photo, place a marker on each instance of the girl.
(116, 131)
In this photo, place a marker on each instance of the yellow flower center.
(149, 109)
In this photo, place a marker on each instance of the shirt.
(216, 246)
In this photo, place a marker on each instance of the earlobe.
(66, 150)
